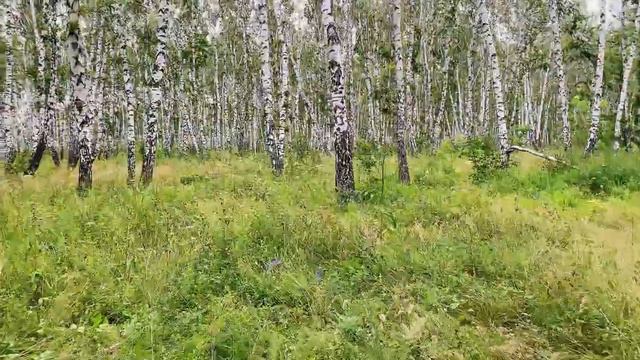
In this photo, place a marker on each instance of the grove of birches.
(87, 80)
(319, 179)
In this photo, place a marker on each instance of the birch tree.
(125, 39)
(343, 143)
(156, 82)
(82, 117)
(626, 74)
(486, 25)
(403, 165)
(7, 141)
(267, 82)
(558, 60)
(597, 82)
(283, 38)
(46, 94)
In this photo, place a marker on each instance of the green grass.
(219, 260)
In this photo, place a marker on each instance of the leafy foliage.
(484, 156)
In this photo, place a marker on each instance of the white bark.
(396, 38)
(156, 82)
(344, 180)
(267, 80)
(494, 63)
(597, 82)
(558, 60)
(83, 117)
(440, 117)
(7, 112)
(371, 131)
(125, 40)
(538, 129)
(39, 128)
(626, 74)
(283, 36)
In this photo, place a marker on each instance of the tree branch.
(514, 148)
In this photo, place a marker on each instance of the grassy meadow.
(220, 260)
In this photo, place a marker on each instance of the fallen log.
(515, 148)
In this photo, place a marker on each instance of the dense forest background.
(252, 76)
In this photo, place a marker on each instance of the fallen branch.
(514, 148)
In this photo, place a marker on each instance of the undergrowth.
(220, 260)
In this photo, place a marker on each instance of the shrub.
(484, 156)
(300, 147)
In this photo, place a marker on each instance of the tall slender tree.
(125, 39)
(46, 92)
(82, 117)
(155, 83)
(626, 74)
(598, 82)
(267, 82)
(558, 60)
(283, 37)
(396, 19)
(486, 24)
(7, 141)
(343, 143)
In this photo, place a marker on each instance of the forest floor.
(220, 260)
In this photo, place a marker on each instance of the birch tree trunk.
(468, 124)
(131, 104)
(538, 129)
(371, 130)
(403, 165)
(7, 141)
(73, 151)
(494, 64)
(597, 82)
(410, 83)
(283, 37)
(38, 140)
(344, 182)
(626, 74)
(97, 91)
(54, 61)
(156, 82)
(556, 48)
(77, 59)
(267, 82)
(440, 117)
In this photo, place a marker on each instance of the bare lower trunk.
(626, 74)
(283, 36)
(130, 107)
(267, 82)
(83, 117)
(403, 165)
(560, 74)
(538, 129)
(7, 112)
(371, 131)
(597, 83)
(345, 183)
(494, 63)
(156, 82)
(440, 118)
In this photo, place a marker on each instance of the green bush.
(605, 179)
(485, 158)
(20, 163)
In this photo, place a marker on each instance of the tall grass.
(220, 260)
